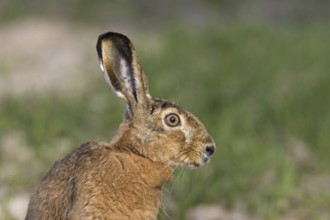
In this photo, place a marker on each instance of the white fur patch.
(127, 77)
(107, 80)
(106, 77)
(101, 65)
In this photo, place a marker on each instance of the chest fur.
(128, 186)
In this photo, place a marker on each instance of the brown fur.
(118, 185)
(123, 179)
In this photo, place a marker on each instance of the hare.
(123, 179)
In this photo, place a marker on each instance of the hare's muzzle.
(209, 150)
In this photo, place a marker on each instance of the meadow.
(262, 92)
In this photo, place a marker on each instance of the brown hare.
(123, 179)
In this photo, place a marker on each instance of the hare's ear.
(122, 70)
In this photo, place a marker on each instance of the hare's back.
(59, 190)
(97, 180)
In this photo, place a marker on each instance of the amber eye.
(172, 120)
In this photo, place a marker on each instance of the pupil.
(172, 119)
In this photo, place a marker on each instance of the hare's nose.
(210, 150)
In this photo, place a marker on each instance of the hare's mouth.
(189, 164)
(204, 156)
(194, 165)
(194, 159)
(203, 160)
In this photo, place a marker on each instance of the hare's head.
(155, 128)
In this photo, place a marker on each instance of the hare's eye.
(172, 120)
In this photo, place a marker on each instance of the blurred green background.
(257, 73)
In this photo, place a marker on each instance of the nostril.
(210, 150)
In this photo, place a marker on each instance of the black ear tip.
(98, 47)
(112, 36)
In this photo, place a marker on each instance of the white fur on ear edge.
(107, 79)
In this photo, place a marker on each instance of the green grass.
(255, 88)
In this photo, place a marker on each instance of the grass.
(262, 93)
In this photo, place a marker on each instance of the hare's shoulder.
(95, 162)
